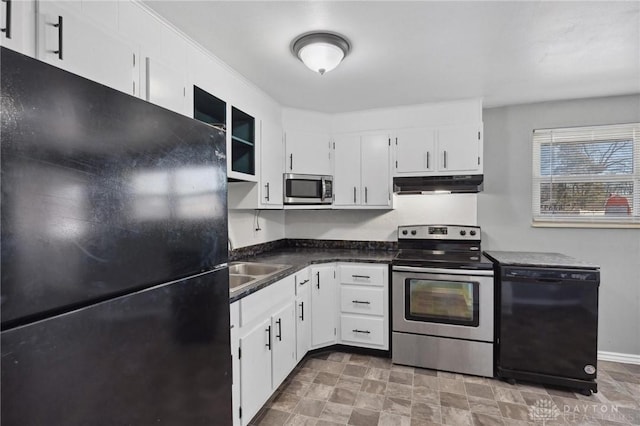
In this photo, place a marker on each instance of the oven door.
(443, 302)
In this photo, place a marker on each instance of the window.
(587, 175)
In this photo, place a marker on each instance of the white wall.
(504, 208)
(243, 227)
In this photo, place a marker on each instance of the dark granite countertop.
(299, 258)
(525, 258)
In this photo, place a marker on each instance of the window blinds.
(587, 174)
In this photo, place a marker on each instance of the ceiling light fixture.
(321, 52)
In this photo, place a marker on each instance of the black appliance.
(114, 287)
(442, 298)
(454, 184)
(547, 319)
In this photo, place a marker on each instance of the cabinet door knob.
(267, 188)
(290, 161)
(318, 275)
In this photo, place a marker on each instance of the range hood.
(438, 184)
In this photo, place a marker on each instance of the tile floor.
(336, 388)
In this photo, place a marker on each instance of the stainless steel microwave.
(307, 189)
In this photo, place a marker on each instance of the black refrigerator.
(114, 282)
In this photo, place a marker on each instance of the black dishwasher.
(547, 319)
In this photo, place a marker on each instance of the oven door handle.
(475, 272)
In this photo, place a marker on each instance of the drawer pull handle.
(361, 331)
(279, 335)
(268, 330)
(303, 282)
(7, 26)
(58, 25)
(361, 276)
(361, 302)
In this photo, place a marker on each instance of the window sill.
(593, 225)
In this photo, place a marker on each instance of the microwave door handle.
(324, 189)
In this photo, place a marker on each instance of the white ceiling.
(409, 52)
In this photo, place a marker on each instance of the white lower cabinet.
(358, 330)
(275, 327)
(267, 345)
(234, 320)
(283, 342)
(255, 369)
(323, 306)
(364, 305)
(303, 313)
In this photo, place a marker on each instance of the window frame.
(628, 131)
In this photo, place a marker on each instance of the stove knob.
(413, 232)
(472, 232)
(404, 232)
(463, 233)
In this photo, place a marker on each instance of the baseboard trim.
(619, 357)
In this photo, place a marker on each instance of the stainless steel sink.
(244, 273)
(249, 268)
(238, 280)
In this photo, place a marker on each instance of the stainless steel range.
(442, 299)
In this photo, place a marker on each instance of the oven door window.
(448, 302)
(303, 188)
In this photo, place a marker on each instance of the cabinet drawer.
(261, 303)
(303, 280)
(364, 330)
(358, 274)
(362, 300)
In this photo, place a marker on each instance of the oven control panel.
(439, 232)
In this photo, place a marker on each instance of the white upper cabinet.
(307, 153)
(271, 165)
(443, 150)
(18, 26)
(415, 150)
(347, 170)
(376, 177)
(69, 40)
(460, 148)
(165, 86)
(361, 171)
